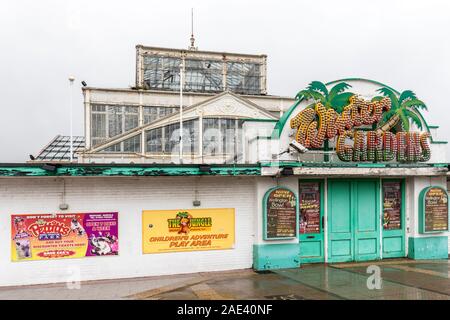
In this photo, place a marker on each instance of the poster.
(187, 230)
(58, 236)
(309, 199)
(436, 210)
(281, 214)
(392, 204)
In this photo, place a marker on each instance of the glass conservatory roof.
(59, 149)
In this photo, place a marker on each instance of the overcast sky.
(404, 44)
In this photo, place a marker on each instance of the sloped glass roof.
(59, 149)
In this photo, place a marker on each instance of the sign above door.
(377, 128)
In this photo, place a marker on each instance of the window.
(243, 77)
(203, 75)
(154, 141)
(109, 120)
(211, 137)
(223, 137)
(154, 113)
(166, 139)
(162, 72)
(131, 145)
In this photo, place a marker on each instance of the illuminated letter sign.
(376, 130)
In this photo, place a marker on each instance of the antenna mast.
(192, 46)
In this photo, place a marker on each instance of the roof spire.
(192, 46)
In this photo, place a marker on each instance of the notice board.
(280, 214)
(433, 211)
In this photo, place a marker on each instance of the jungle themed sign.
(280, 214)
(57, 236)
(373, 130)
(433, 210)
(187, 230)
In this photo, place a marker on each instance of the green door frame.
(312, 245)
(353, 220)
(339, 243)
(394, 241)
(367, 242)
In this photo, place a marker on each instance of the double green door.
(353, 220)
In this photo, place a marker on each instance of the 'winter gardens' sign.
(375, 130)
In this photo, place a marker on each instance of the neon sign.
(362, 129)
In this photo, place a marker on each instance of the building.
(345, 171)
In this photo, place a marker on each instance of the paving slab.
(400, 279)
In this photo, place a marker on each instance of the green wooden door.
(366, 220)
(311, 236)
(393, 195)
(340, 226)
(353, 220)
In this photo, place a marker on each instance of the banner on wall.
(187, 230)
(58, 236)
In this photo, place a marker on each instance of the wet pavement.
(400, 279)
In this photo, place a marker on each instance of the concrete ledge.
(428, 248)
(276, 256)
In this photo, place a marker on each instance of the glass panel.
(171, 138)
(203, 75)
(131, 118)
(114, 148)
(228, 133)
(150, 114)
(211, 137)
(309, 201)
(166, 139)
(108, 121)
(132, 144)
(162, 72)
(190, 136)
(222, 137)
(392, 204)
(243, 77)
(129, 145)
(153, 140)
(154, 113)
(114, 120)
(98, 124)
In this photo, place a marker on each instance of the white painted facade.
(131, 195)
(128, 196)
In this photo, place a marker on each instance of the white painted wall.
(128, 196)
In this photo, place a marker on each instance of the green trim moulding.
(428, 247)
(276, 256)
(82, 170)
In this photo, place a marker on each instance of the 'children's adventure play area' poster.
(187, 230)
